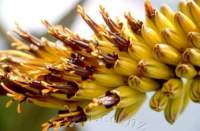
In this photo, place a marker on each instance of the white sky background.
(29, 13)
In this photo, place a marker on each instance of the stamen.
(110, 59)
(111, 24)
(95, 27)
(135, 25)
(150, 10)
(66, 119)
(110, 100)
(118, 41)
(28, 36)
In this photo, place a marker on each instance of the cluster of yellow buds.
(85, 79)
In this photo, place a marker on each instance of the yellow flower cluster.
(85, 79)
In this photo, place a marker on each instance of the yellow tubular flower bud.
(194, 39)
(128, 96)
(154, 69)
(173, 109)
(184, 23)
(108, 80)
(195, 90)
(150, 36)
(125, 66)
(186, 92)
(167, 54)
(139, 51)
(128, 33)
(107, 46)
(150, 24)
(167, 12)
(159, 101)
(142, 84)
(150, 14)
(192, 55)
(132, 29)
(184, 8)
(175, 39)
(126, 113)
(195, 11)
(94, 111)
(87, 88)
(185, 71)
(172, 88)
(159, 18)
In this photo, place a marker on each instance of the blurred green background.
(29, 120)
